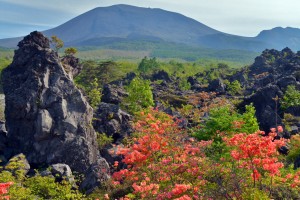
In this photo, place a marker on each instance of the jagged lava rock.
(113, 94)
(112, 121)
(71, 65)
(47, 117)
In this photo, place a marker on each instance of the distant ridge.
(130, 23)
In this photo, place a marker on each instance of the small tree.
(94, 93)
(139, 95)
(234, 88)
(291, 97)
(57, 42)
(148, 65)
(71, 51)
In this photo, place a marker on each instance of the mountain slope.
(279, 38)
(124, 23)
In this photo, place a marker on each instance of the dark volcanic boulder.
(286, 81)
(71, 65)
(112, 121)
(161, 75)
(265, 105)
(95, 175)
(3, 137)
(60, 171)
(47, 117)
(113, 94)
(18, 164)
(217, 85)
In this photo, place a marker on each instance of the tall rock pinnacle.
(47, 117)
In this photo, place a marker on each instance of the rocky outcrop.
(112, 121)
(18, 164)
(217, 85)
(60, 172)
(3, 137)
(161, 75)
(266, 107)
(71, 65)
(95, 175)
(269, 76)
(113, 94)
(47, 117)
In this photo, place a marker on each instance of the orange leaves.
(163, 163)
(180, 188)
(257, 153)
(4, 189)
(146, 189)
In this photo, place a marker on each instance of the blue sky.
(240, 17)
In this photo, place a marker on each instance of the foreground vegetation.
(222, 155)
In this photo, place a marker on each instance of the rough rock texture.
(112, 121)
(269, 76)
(59, 171)
(110, 153)
(113, 94)
(161, 75)
(71, 65)
(95, 175)
(3, 137)
(217, 85)
(47, 117)
(22, 166)
(265, 105)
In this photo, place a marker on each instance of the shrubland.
(219, 154)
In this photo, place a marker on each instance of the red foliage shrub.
(4, 190)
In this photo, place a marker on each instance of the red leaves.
(257, 153)
(163, 163)
(4, 189)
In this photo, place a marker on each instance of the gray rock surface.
(22, 165)
(113, 94)
(112, 121)
(47, 117)
(217, 85)
(3, 137)
(71, 65)
(95, 175)
(265, 105)
(60, 171)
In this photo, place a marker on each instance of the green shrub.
(70, 51)
(226, 120)
(47, 188)
(294, 150)
(250, 122)
(103, 140)
(56, 42)
(139, 95)
(35, 187)
(94, 94)
(184, 84)
(234, 88)
(291, 97)
(148, 65)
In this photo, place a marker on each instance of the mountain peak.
(127, 23)
(124, 21)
